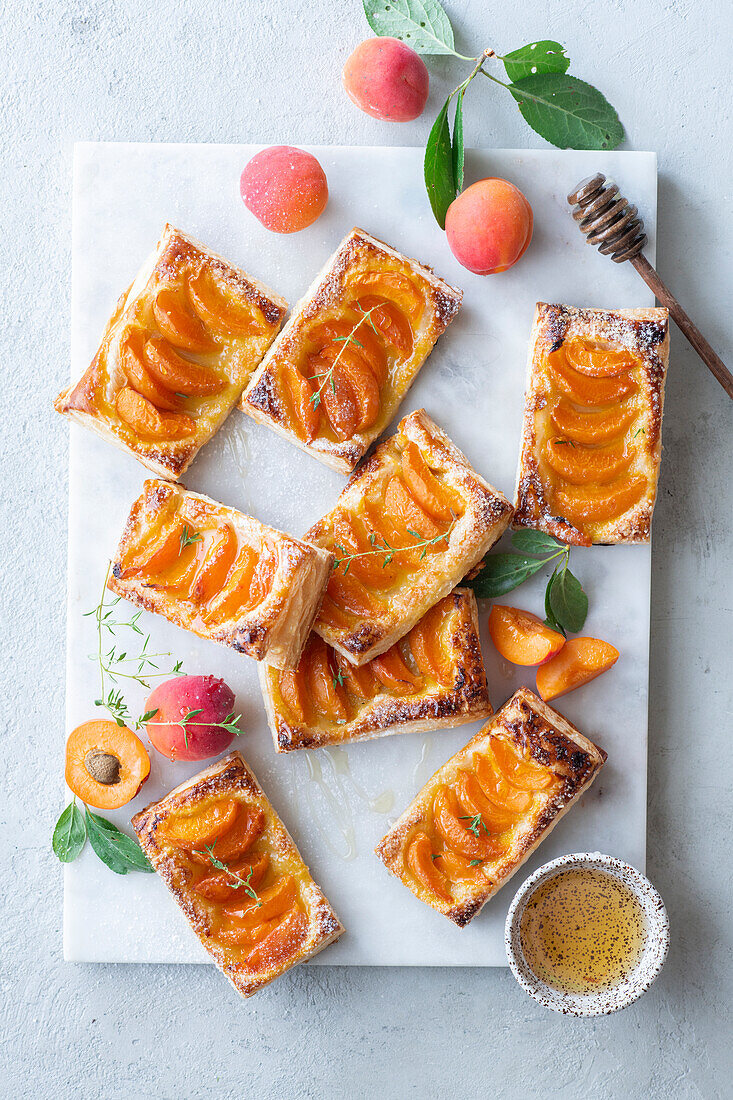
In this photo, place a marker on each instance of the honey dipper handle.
(689, 329)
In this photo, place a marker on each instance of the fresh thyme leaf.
(567, 112)
(421, 24)
(69, 834)
(337, 679)
(639, 431)
(568, 601)
(536, 57)
(457, 145)
(502, 573)
(475, 862)
(438, 166)
(237, 879)
(476, 822)
(189, 537)
(119, 851)
(535, 542)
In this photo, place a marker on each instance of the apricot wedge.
(145, 419)
(458, 868)
(223, 886)
(457, 834)
(293, 693)
(582, 465)
(350, 594)
(300, 396)
(474, 802)
(407, 512)
(219, 311)
(273, 902)
(598, 505)
(391, 670)
(436, 499)
(598, 359)
(326, 692)
(394, 287)
(389, 321)
(419, 860)
(201, 826)
(281, 943)
(365, 343)
(139, 376)
(430, 647)
(588, 391)
(579, 661)
(503, 795)
(521, 637)
(217, 562)
(238, 838)
(178, 374)
(178, 324)
(359, 682)
(594, 427)
(516, 770)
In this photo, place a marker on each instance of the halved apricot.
(591, 427)
(521, 637)
(281, 943)
(580, 660)
(145, 420)
(273, 902)
(293, 692)
(407, 512)
(598, 358)
(580, 465)
(392, 671)
(495, 787)
(518, 771)
(437, 499)
(178, 324)
(599, 505)
(106, 764)
(223, 886)
(300, 396)
(389, 321)
(219, 310)
(139, 376)
(419, 859)
(588, 391)
(431, 650)
(457, 834)
(325, 690)
(350, 395)
(201, 825)
(179, 374)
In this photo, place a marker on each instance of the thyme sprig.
(230, 722)
(189, 537)
(327, 376)
(238, 881)
(384, 547)
(476, 823)
(118, 664)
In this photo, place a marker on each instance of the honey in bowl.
(582, 931)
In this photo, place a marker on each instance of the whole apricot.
(489, 226)
(387, 80)
(207, 700)
(285, 188)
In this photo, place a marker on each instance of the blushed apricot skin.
(387, 80)
(489, 226)
(285, 188)
(173, 700)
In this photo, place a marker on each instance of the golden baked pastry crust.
(629, 427)
(547, 750)
(410, 580)
(231, 779)
(219, 573)
(426, 306)
(435, 680)
(228, 321)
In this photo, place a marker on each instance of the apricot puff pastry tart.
(592, 435)
(411, 523)
(234, 870)
(222, 574)
(336, 374)
(433, 678)
(176, 355)
(486, 810)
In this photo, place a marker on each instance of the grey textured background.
(232, 70)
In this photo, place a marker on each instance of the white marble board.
(339, 803)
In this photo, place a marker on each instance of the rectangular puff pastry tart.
(592, 433)
(336, 374)
(409, 526)
(235, 872)
(219, 573)
(433, 678)
(486, 810)
(176, 355)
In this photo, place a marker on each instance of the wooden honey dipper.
(606, 219)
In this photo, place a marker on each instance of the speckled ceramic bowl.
(617, 996)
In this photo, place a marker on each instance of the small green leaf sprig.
(327, 378)
(565, 111)
(237, 880)
(385, 548)
(566, 604)
(230, 722)
(115, 849)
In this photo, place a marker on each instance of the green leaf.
(119, 851)
(502, 573)
(439, 180)
(535, 542)
(70, 834)
(536, 57)
(568, 601)
(421, 24)
(550, 619)
(458, 152)
(567, 112)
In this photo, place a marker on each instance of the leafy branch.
(563, 110)
(116, 849)
(327, 376)
(382, 546)
(189, 537)
(236, 879)
(566, 604)
(140, 667)
(230, 723)
(476, 823)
